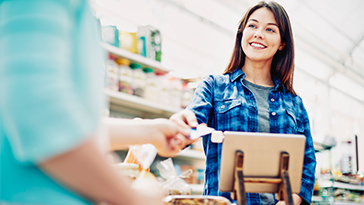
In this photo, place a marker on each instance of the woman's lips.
(257, 45)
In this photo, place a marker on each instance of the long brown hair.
(282, 65)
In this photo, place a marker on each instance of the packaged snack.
(139, 77)
(195, 200)
(110, 35)
(128, 41)
(146, 182)
(112, 73)
(150, 42)
(142, 155)
(125, 76)
(163, 88)
(151, 89)
(174, 184)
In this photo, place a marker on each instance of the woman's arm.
(198, 110)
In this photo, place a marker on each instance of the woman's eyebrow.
(255, 20)
(274, 24)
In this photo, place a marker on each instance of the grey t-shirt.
(261, 97)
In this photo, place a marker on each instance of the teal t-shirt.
(50, 93)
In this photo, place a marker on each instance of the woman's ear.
(283, 44)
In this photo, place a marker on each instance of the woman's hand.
(185, 118)
(297, 200)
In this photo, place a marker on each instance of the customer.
(254, 94)
(50, 105)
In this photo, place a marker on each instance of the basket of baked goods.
(195, 200)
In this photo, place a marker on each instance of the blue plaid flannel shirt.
(224, 103)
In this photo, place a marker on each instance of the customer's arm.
(84, 170)
(167, 136)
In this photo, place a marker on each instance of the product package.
(142, 155)
(174, 184)
(110, 35)
(196, 200)
(146, 182)
(150, 42)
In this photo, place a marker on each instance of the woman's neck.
(258, 72)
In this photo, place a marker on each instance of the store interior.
(168, 46)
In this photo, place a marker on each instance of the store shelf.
(191, 154)
(316, 198)
(140, 104)
(320, 200)
(319, 147)
(146, 62)
(346, 203)
(327, 184)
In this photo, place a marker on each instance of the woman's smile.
(257, 45)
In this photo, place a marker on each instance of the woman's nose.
(259, 34)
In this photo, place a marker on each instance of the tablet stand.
(284, 190)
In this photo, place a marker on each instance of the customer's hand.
(297, 200)
(168, 137)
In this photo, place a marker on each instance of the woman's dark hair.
(282, 65)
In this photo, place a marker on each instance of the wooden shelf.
(126, 101)
(136, 58)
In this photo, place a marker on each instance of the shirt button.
(274, 113)
(272, 99)
(222, 106)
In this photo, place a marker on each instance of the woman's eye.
(251, 26)
(270, 30)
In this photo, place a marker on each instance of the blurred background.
(159, 50)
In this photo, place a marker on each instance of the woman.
(254, 94)
(50, 104)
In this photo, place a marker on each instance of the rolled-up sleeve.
(42, 112)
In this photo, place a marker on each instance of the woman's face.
(261, 37)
